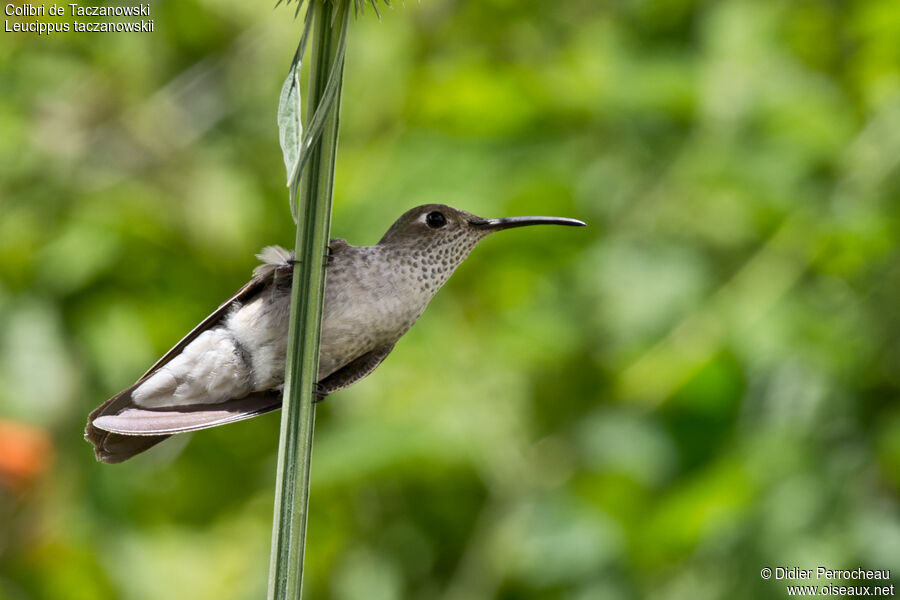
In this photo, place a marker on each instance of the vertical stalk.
(307, 296)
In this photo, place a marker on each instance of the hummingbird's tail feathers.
(136, 421)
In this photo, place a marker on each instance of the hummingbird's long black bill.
(510, 222)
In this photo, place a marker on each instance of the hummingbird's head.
(437, 225)
(430, 241)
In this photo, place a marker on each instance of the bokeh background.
(702, 383)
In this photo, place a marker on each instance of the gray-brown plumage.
(231, 366)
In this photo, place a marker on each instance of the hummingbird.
(231, 366)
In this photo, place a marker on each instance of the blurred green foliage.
(702, 383)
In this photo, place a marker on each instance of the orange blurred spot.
(25, 454)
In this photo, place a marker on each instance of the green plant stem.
(307, 296)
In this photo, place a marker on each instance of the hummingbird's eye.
(435, 220)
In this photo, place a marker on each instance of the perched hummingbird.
(231, 366)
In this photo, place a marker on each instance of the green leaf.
(290, 116)
(290, 126)
(317, 123)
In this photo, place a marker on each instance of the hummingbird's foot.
(319, 393)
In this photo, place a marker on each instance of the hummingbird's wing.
(354, 370)
(137, 421)
(121, 415)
